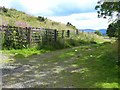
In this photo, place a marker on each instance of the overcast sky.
(80, 13)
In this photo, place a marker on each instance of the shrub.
(98, 33)
(3, 9)
(8, 15)
(41, 19)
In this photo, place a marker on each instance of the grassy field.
(85, 66)
(14, 17)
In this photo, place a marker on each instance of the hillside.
(18, 18)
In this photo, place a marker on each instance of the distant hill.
(87, 30)
(103, 31)
(14, 17)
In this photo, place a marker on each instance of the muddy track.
(38, 71)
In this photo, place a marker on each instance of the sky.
(80, 13)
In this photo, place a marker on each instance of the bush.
(73, 42)
(41, 19)
(8, 15)
(3, 9)
(93, 42)
(98, 33)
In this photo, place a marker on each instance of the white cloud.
(5, 3)
(46, 7)
(83, 20)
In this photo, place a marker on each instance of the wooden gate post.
(62, 33)
(68, 33)
(29, 36)
(76, 31)
(46, 35)
(55, 35)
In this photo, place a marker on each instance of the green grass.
(85, 66)
(93, 66)
(14, 18)
(21, 53)
(98, 66)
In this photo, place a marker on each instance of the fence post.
(29, 36)
(76, 31)
(62, 33)
(20, 41)
(68, 33)
(55, 35)
(46, 35)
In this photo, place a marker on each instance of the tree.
(69, 24)
(41, 19)
(108, 9)
(3, 9)
(113, 29)
(98, 33)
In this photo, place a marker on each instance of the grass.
(14, 18)
(87, 66)
(21, 53)
(97, 67)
